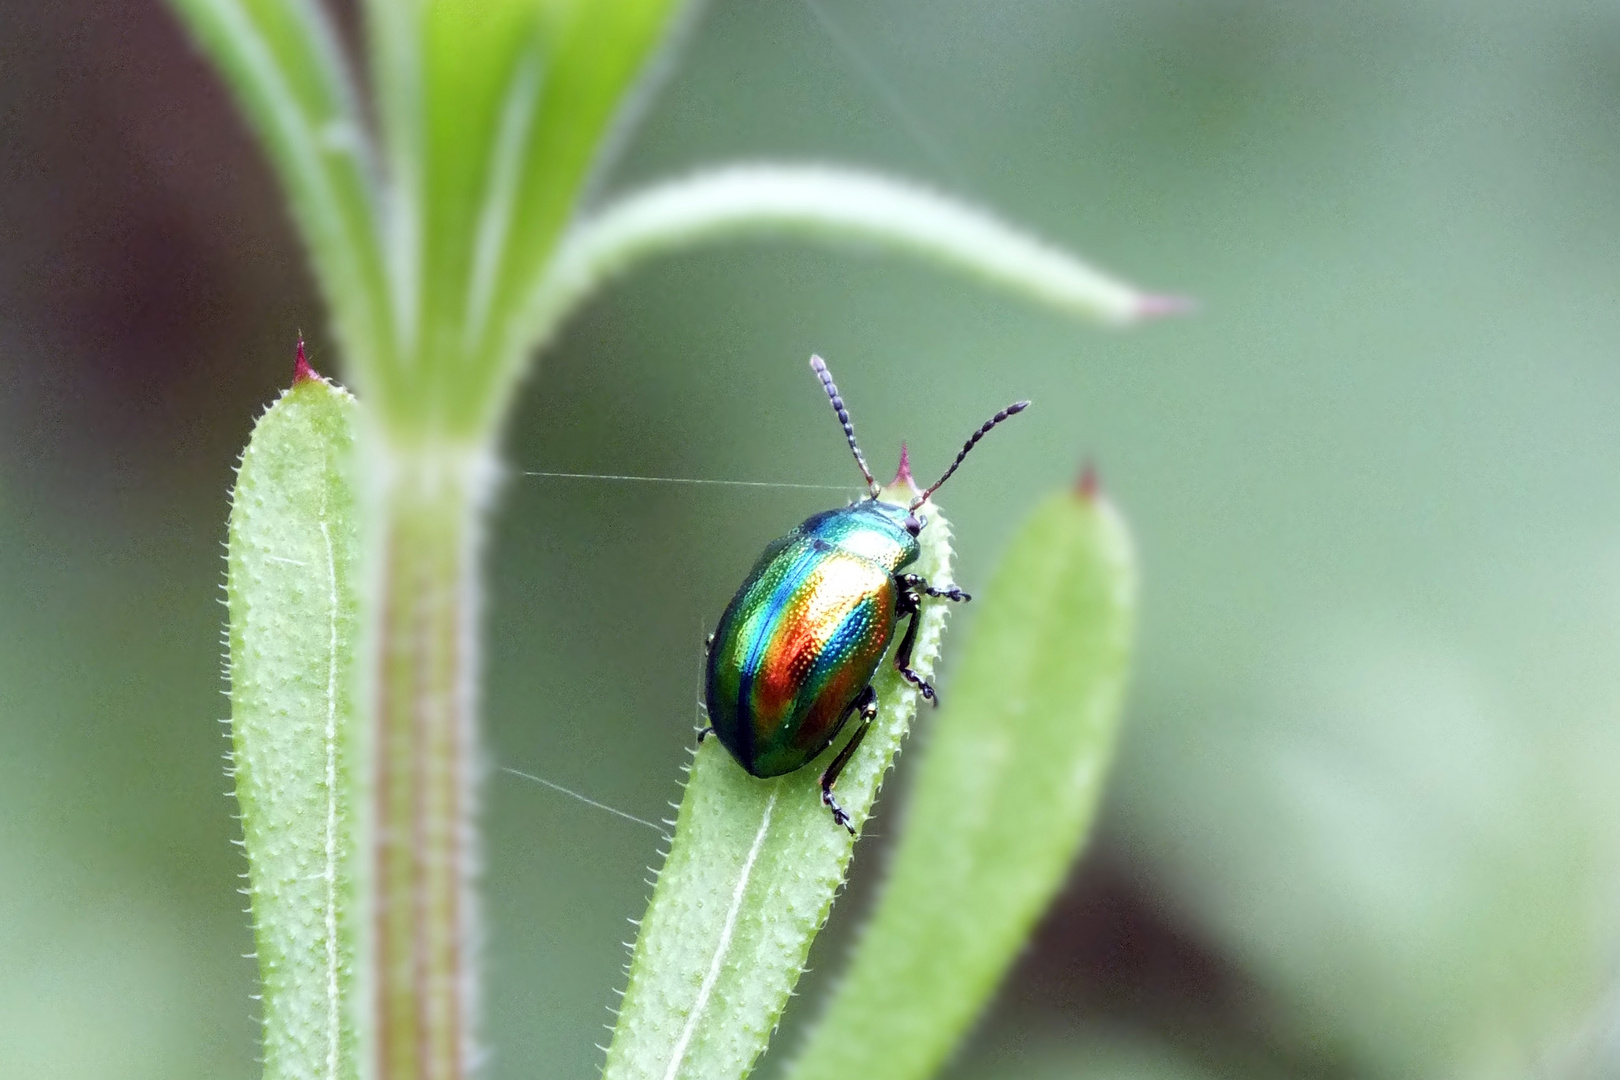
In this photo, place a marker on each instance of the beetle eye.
(914, 524)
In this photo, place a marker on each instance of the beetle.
(793, 655)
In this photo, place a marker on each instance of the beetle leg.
(867, 703)
(916, 583)
(704, 733)
(911, 604)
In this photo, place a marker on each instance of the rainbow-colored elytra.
(804, 635)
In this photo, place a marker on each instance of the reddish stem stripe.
(423, 744)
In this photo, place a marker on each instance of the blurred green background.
(1366, 822)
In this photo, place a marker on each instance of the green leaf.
(748, 883)
(496, 112)
(828, 203)
(292, 593)
(1006, 792)
(482, 69)
(598, 52)
(284, 61)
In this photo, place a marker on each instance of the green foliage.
(1006, 791)
(429, 248)
(1370, 775)
(449, 242)
(495, 116)
(445, 252)
(748, 883)
(292, 590)
(827, 203)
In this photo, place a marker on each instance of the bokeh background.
(1366, 821)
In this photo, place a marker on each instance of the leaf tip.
(1088, 486)
(1163, 305)
(302, 372)
(902, 475)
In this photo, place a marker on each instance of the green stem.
(424, 766)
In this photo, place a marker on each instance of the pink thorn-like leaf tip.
(1088, 485)
(302, 372)
(902, 475)
(1159, 307)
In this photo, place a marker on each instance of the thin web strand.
(587, 800)
(932, 148)
(686, 480)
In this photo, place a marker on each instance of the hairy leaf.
(291, 590)
(829, 203)
(1006, 792)
(748, 882)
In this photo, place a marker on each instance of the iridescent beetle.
(794, 654)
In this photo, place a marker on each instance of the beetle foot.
(923, 686)
(943, 592)
(704, 733)
(838, 814)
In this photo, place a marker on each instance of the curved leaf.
(831, 203)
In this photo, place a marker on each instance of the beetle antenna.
(1012, 410)
(819, 366)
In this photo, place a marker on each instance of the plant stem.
(424, 763)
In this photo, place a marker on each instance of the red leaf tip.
(302, 372)
(1088, 485)
(903, 474)
(1159, 306)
